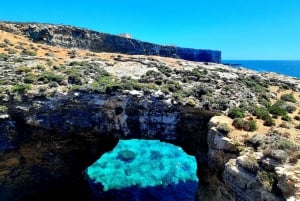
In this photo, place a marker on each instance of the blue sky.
(241, 29)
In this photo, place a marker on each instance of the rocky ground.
(253, 139)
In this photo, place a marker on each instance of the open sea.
(285, 67)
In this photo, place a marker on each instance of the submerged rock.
(144, 170)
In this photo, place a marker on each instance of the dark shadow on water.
(70, 189)
(183, 191)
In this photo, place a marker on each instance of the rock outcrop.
(72, 37)
(248, 174)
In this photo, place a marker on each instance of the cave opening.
(84, 149)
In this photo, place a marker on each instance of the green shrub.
(4, 56)
(235, 113)
(261, 113)
(78, 63)
(165, 70)
(20, 88)
(276, 109)
(191, 102)
(30, 78)
(106, 84)
(173, 86)
(74, 77)
(269, 121)
(130, 84)
(256, 84)
(48, 76)
(288, 97)
(251, 125)
(23, 69)
(240, 123)
(286, 118)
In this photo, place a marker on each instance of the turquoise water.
(143, 163)
(285, 67)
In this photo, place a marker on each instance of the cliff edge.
(73, 37)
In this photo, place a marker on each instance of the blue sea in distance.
(285, 67)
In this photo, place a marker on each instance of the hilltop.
(59, 102)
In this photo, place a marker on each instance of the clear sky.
(241, 29)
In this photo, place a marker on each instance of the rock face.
(72, 37)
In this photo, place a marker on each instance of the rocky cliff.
(73, 37)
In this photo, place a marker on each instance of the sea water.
(285, 67)
(144, 169)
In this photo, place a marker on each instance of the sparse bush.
(223, 128)
(41, 67)
(12, 51)
(23, 69)
(165, 70)
(294, 157)
(288, 97)
(3, 109)
(269, 121)
(251, 125)
(297, 117)
(286, 118)
(4, 56)
(3, 45)
(74, 77)
(48, 76)
(248, 162)
(235, 113)
(30, 78)
(277, 109)
(29, 53)
(286, 144)
(267, 179)
(191, 102)
(173, 86)
(256, 84)
(130, 84)
(20, 88)
(240, 123)
(284, 125)
(261, 113)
